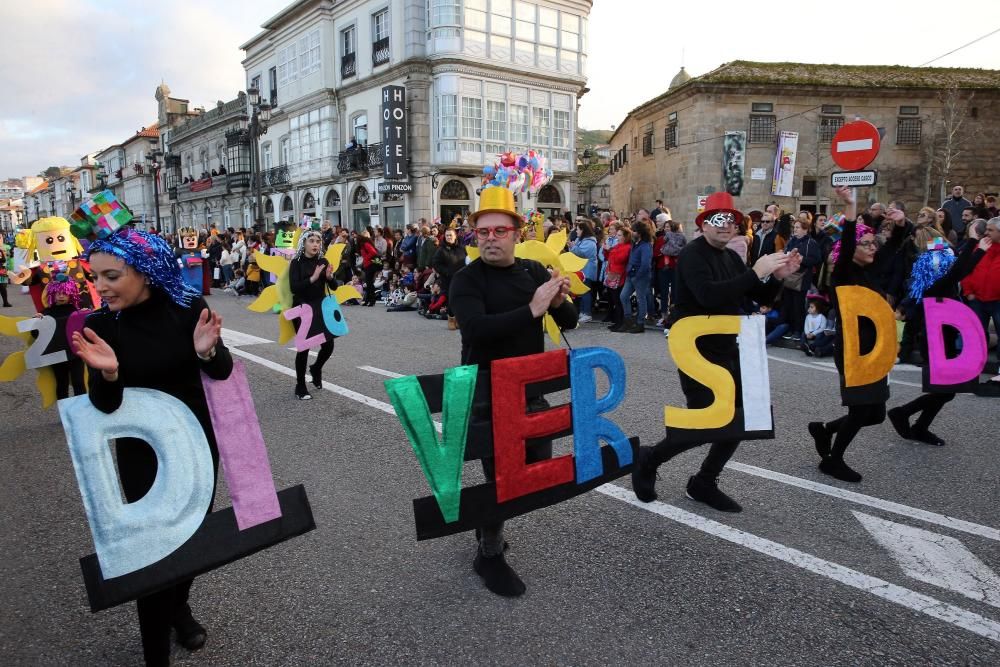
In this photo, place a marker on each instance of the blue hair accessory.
(930, 267)
(151, 256)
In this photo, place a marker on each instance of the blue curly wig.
(151, 256)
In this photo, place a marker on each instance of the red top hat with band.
(718, 209)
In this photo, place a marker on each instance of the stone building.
(207, 184)
(480, 78)
(593, 183)
(671, 147)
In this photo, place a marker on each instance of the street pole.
(255, 170)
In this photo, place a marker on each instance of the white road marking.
(380, 371)
(821, 366)
(234, 338)
(870, 501)
(935, 559)
(880, 588)
(329, 386)
(854, 145)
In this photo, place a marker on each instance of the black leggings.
(848, 426)
(3, 293)
(157, 612)
(370, 283)
(928, 405)
(67, 372)
(615, 301)
(302, 360)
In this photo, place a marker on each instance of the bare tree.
(953, 134)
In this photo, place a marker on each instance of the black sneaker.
(317, 376)
(819, 433)
(190, 633)
(708, 492)
(302, 393)
(497, 575)
(926, 437)
(644, 476)
(638, 328)
(807, 348)
(901, 423)
(840, 470)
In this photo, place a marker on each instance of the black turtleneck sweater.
(154, 344)
(491, 305)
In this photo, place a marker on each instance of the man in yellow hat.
(499, 301)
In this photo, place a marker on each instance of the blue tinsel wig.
(151, 256)
(930, 267)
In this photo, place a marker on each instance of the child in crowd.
(358, 283)
(63, 297)
(814, 327)
(237, 285)
(436, 306)
(407, 301)
(252, 285)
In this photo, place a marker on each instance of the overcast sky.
(81, 73)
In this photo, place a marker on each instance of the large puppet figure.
(190, 258)
(58, 251)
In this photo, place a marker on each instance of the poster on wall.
(733, 151)
(784, 164)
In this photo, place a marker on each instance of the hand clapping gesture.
(207, 332)
(96, 353)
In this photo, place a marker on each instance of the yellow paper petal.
(537, 251)
(557, 241)
(46, 383)
(8, 325)
(576, 285)
(12, 366)
(346, 293)
(334, 253)
(570, 262)
(265, 302)
(552, 328)
(295, 237)
(286, 331)
(275, 264)
(285, 291)
(472, 252)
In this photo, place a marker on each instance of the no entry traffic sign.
(855, 145)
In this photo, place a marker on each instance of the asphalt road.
(796, 579)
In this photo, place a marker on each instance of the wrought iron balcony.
(275, 177)
(172, 193)
(380, 52)
(365, 158)
(348, 65)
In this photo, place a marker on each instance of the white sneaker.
(584, 319)
(666, 332)
(659, 322)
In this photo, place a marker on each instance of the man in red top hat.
(712, 280)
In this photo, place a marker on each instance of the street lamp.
(154, 164)
(256, 128)
(52, 201)
(71, 195)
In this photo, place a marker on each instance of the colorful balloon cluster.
(519, 173)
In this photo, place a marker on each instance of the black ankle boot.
(819, 433)
(901, 423)
(190, 633)
(497, 575)
(835, 467)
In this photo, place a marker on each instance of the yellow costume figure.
(57, 251)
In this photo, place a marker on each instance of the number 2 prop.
(303, 341)
(46, 328)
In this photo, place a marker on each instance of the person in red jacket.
(371, 264)
(982, 288)
(614, 278)
(436, 306)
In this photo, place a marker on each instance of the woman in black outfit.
(865, 405)
(308, 275)
(154, 331)
(448, 259)
(945, 286)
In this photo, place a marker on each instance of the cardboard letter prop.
(441, 460)
(854, 303)
(512, 426)
(588, 426)
(130, 536)
(960, 373)
(689, 360)
(303, 341)
(46, 328)
(241, 448)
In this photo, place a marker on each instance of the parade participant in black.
(500, 301)
(712, 279)
(308, 276)
(154, 331)
(63, 297)
(936, 273)
(853, 264)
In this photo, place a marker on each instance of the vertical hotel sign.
(784, 164)
(394, 133)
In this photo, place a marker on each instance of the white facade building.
(481, 77)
